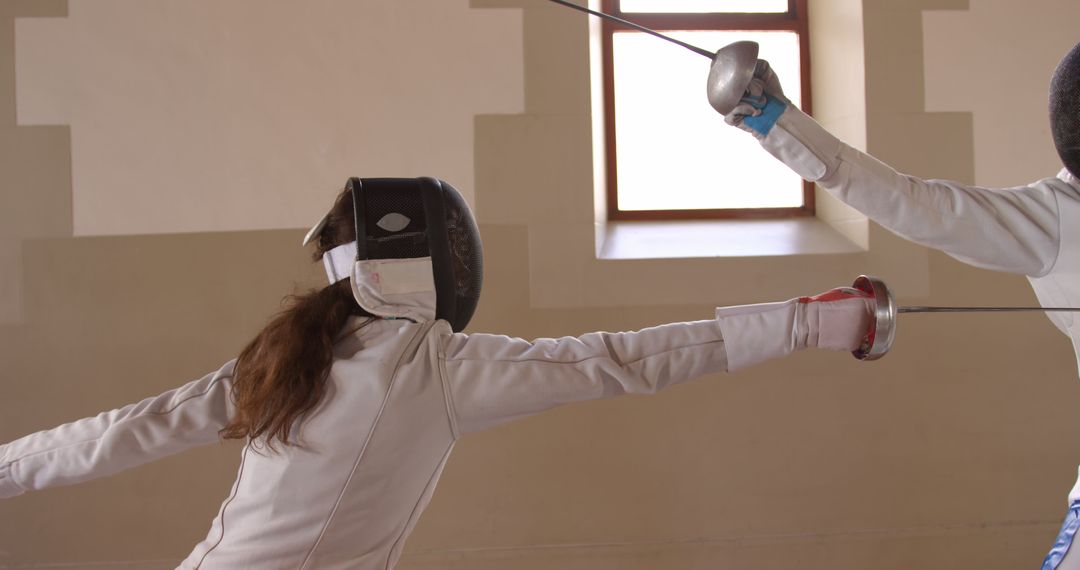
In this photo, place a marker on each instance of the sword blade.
(982, 309)
(637, 27)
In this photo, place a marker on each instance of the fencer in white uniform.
(404, 384)
(1031, 230)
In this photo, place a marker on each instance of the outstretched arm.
(110, 442)
(1013, 229)
(493, 379)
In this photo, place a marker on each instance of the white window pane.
(704, 6)
(674, 151)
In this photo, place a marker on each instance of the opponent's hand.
(762, 103)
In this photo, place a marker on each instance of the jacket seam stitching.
(596, 357)
(120, 422)
(448, 395)
(235, 491)
(363, 449)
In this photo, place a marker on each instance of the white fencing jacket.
(400, 394)
(1032, 230)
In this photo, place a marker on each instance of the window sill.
(720, 238)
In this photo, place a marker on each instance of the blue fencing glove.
(763, 104)
(763, 122)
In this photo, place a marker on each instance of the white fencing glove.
(838, 319)
(761, 105)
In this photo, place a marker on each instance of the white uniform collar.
(390, 288)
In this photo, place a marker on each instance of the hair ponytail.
(281, 374)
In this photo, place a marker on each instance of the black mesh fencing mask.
(414, 218)
(1065, 110)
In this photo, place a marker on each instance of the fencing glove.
(838, 319)
(762, 104)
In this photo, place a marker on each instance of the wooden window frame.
(794, 20)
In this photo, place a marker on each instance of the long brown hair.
(281, 374)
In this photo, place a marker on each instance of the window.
(669, 154)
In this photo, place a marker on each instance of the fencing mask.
(1065, 110)
(418, 254)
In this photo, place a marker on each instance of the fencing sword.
(880, 339)
(732, 65)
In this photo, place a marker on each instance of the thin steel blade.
(638, 27)
(981, 309)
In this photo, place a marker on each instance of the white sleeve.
(493, 379)
(110, 442)
(1013, 229)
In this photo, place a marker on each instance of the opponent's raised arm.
(110, 442)
(1013, 229)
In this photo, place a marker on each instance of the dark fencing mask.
(418, 254)
(1065, 110)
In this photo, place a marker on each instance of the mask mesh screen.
(1065, 110)
(406, 243)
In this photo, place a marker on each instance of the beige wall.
(184, 114)
(954, 451)
(1011, 137)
